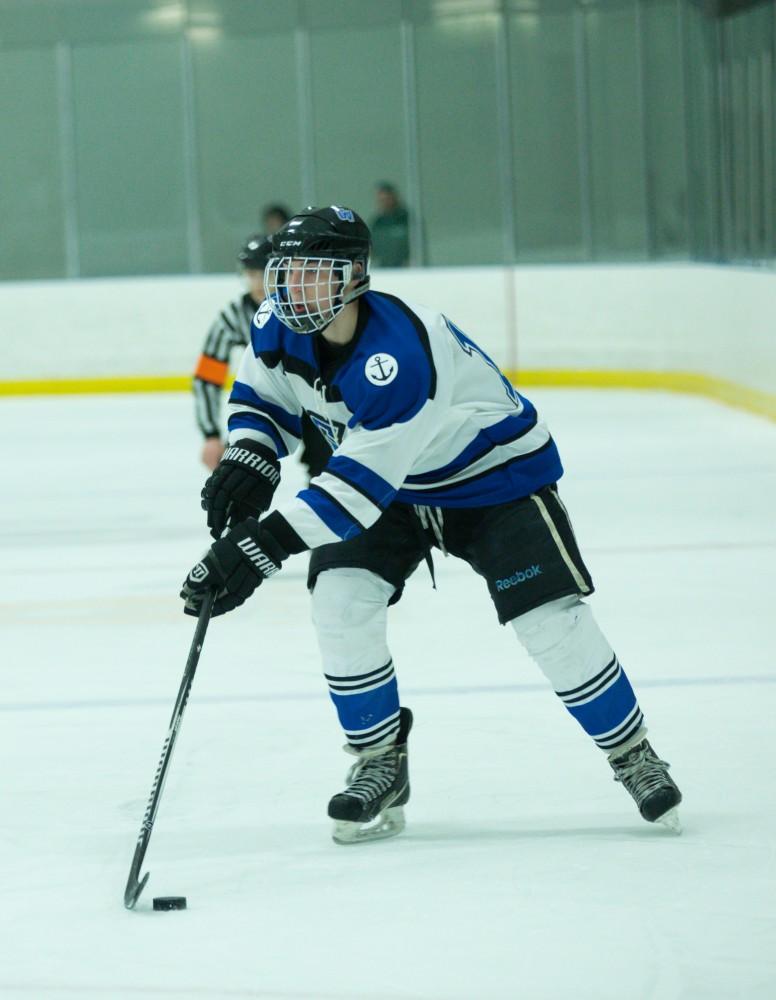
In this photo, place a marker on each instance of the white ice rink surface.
(525, 871)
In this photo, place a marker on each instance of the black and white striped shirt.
(230, 330)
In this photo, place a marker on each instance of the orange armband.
(211, 370)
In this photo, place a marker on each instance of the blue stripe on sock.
(363, 711)
(609, 710)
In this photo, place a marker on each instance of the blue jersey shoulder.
(273, 342)
(390, 375)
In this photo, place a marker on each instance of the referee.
(231, 331)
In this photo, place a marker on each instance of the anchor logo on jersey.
(381, 369)
(263, 314)
(334, 432)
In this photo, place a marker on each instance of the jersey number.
(470, 348)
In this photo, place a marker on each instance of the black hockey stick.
(135, 885)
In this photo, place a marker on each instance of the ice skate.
(378, 787)
(645, 776)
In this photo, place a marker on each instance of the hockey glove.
(241, 486)
(235, 566)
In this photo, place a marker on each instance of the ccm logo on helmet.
(291, 243)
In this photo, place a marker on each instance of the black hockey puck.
(169, 902)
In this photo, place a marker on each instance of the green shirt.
(391, 239)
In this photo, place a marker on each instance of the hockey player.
(433, 448)
(230, 332)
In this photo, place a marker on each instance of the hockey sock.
(367, 706)
(572, 652)
(349, 612)
(606, 707)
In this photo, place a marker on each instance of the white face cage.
(305, 293)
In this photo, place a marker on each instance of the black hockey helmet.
(331, 246)
(255, 253)
(324, 232)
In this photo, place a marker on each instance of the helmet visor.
(306, 293)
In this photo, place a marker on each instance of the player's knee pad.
(564, 639)
(349, 610)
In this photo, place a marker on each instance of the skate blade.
(670, 820)
(389, 823)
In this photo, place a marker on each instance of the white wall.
(716, 321)
(712, 320)
(110, 326)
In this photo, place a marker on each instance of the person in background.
(274, 217)
(390, 229)
(231, 331)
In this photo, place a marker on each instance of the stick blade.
(133, 890)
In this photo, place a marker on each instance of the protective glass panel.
(747, 109)
(616, 134)
(247, 136)
(458, 136)
(358, 115)
(546, 136)
(664, 125)
(130, 178)
(32, 243)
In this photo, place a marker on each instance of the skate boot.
(378, 783)
(645, 776)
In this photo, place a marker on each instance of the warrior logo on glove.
(257, 556)
(199, 572)
(241, 486)
(234, 566)
(254, 461)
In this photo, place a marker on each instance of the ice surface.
(525, 871)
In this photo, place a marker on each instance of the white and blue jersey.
(415, 411)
